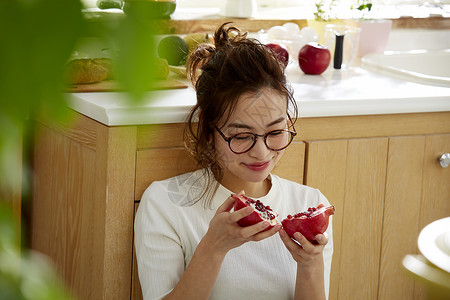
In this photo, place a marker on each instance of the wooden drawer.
(159, 164)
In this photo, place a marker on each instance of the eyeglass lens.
(275, 140)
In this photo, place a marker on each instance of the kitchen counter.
(346, 92)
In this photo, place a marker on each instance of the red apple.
(314, 58)
(280, 52)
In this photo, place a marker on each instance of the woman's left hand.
(310, 265)
(307, 253)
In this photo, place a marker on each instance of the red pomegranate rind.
(309, 223)
(260, 213)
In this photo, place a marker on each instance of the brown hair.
(221, 73)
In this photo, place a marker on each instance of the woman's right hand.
(224, 232)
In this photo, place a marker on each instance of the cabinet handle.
(444, 160)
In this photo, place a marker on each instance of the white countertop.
(353, 91)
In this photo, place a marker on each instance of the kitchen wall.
(304, 9)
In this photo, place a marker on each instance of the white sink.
(430, 67)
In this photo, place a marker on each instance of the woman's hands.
(308, 253)
(310, 265)
(224, 232)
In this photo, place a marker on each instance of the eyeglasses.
(275, 140)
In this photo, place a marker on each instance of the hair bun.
(227, 36)
(224, 37)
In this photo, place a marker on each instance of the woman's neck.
(252, 189)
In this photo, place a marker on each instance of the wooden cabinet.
(380, 172)
(357, 180)
(385, 189)
(88, 181)
(417, 193)
(83, 205)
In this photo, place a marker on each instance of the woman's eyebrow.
(245, 126)
(239, 125)
(279, 120)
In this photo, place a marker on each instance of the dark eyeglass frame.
(228, 139)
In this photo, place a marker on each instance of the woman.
(188, 242)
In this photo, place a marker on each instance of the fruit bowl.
(150, 8)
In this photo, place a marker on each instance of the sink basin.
(430, 67)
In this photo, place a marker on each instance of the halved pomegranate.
(261, 212)
(309, 223)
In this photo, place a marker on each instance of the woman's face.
(260, 113)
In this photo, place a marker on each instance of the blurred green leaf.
(38, 39)
(26, 275)
(9, 232)
(367, 6)
(136, 42)
(39, 36)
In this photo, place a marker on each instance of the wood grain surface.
(351, 173)
(383, 177)
(63, 222)
(210, 25)
(325, 170)
(291, 165)
(159, 164)
(254, 25)
(401, 214)
(363, 216)
(112, 86)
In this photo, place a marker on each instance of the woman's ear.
(211, 138)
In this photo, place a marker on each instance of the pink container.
(374, 36)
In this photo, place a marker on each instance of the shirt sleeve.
(159, 252)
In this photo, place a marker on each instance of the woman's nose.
(260, 149)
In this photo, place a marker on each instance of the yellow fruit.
(160, 68)
(194, 39)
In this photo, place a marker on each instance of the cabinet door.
(291, 164)
(436, 181)
(385, 191)
(351, 174)
(326, 168)
(405, 165)
(435, 198)
(417, 193)
(82, 208)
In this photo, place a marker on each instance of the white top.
(168, 230)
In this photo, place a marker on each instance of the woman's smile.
(258, 166)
